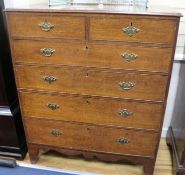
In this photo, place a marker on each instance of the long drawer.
(95, 110)
(91, 138)
(92, 55)
(92, 81)
(46, 25)
(132, 29)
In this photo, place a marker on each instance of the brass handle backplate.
(46, 26)
(125, 113)
(122, 141)
(129, 56)
(47, 52)
(52, 106)
(126, 85)
(49, 79)
(56, 132)
(130, 30)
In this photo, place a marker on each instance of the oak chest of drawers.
(93, 83)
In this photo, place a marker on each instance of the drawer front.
(91, 138)
(95, 55)
(45, 25)
(132, 29)
(100, 111)
(94, 82)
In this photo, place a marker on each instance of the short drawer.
(95, 110)
(92, 81)
(92, 55)
(133, 29)
(91, 138)
(46, 25)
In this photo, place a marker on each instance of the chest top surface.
(42, 6)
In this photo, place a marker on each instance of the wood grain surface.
(96, 110)
(63, 26)
(91, 138)
(93, 55)
(106, 28)
(83, 80)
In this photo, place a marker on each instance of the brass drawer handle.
(130, 30)
(125, 113)
(52, 106)
(49, 79)
(126, 85)
(129, 56)
(47, 52)
(122, 141)
(56, 132)
(46, 26)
